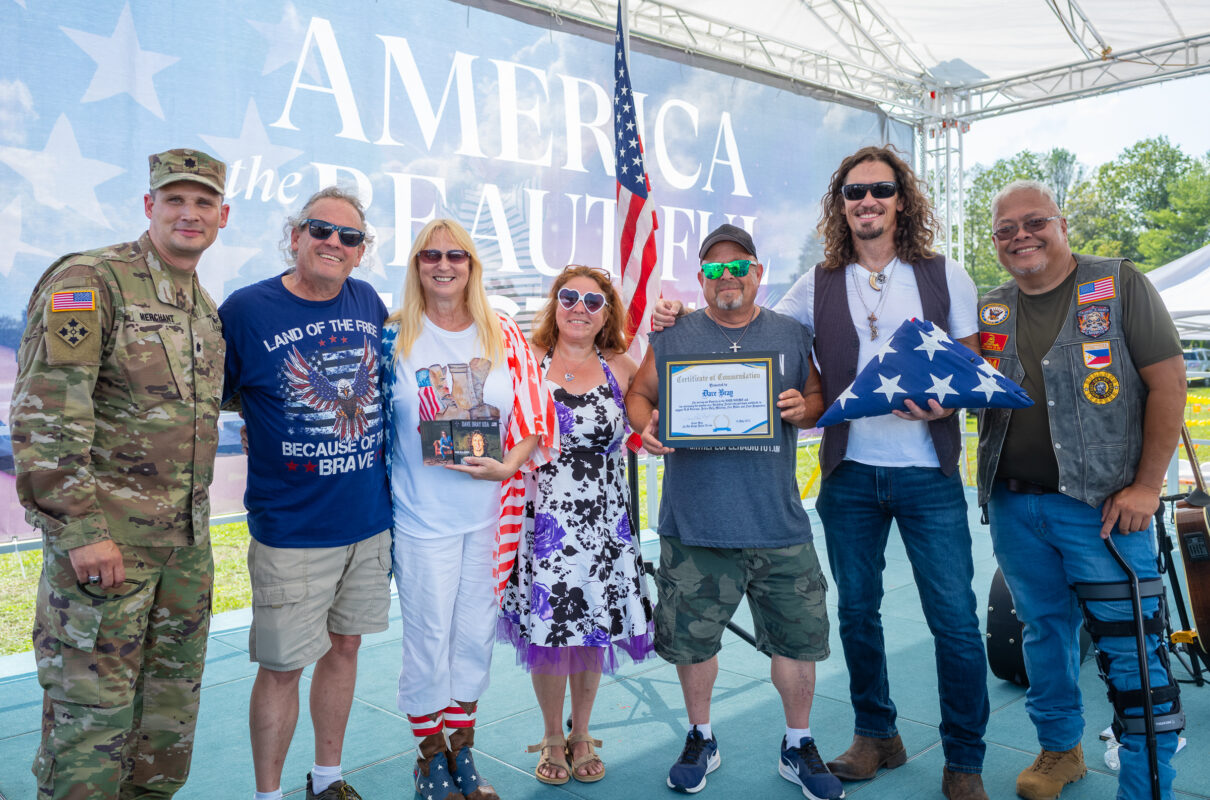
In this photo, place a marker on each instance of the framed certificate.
(711, 400)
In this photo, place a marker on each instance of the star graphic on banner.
(253, 140)
(220, 263)
(285, 40)
(122, 66)
(932, 341)
(884, 351)
(10, 234)
(847, 395)
(60, 176)
(373, 260)
(941, 387)
(987, 385)
(889, 387)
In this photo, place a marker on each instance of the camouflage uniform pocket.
(149, 375)
(65, 639)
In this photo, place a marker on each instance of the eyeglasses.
(1009, 229)
(713, 270)
(881, 190)
(452, 256)
(321, 230)
(593, 301)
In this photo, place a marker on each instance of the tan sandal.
(585, 760)
(549, 747)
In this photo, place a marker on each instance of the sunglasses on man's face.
(713, 270)
(321, 231)
(881, 190)
(593, 301)
(434, 256)
(1009, 229)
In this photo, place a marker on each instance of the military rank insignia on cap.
(183, 164)
(921, 363)
(74, 300)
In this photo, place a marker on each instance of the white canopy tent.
(937, 64)
(1184, 286)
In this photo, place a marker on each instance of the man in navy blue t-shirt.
(302, 366)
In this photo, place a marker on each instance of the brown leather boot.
(1051, 771)
(865, 755)
(962, 786)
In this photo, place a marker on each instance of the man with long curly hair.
(878, 270)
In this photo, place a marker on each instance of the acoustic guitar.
(1193, 534)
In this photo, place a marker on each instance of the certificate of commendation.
(711, 400)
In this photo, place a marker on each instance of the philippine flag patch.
(1097, 355)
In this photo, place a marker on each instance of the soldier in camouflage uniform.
(114, 432)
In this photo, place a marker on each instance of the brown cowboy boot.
(962, 785)
(462, 763)
(865, 755)
(432, 774)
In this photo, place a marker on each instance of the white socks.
(323, 777)
(273, 795)
(704, 728)
(794, 736)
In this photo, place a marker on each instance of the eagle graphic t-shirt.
(307, 375)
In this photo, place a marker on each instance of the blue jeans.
(1045, 543)
(856, 504)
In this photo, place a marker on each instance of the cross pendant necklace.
(873, 326)
(878, 280)
(734, 348)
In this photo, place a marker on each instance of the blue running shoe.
(699, 758)
(802, 765)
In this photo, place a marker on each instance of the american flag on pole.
(636, 211)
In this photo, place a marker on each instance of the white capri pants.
(448, 601)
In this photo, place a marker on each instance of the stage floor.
(639, 715)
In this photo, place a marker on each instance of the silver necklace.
(735, 342)
(568, 375)
(883, 279)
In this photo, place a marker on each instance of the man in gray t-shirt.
(732, 525)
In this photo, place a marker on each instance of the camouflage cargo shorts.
(699, 589)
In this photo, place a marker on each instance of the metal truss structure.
(874, 65)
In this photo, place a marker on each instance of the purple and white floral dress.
(577, 593)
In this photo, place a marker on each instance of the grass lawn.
(19, 571)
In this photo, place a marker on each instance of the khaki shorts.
(699, 589)
(300, 594)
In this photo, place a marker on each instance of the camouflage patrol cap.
(187, 165)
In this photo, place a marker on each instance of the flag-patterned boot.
(432, 773)
(460, 722)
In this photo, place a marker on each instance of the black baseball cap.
(728, 233)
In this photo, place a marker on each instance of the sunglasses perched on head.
(881, 190)
(1009, 229)
(593, 301)
(452, 256)
(321, 231)
(713, 270)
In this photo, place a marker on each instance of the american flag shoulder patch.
(74, 300)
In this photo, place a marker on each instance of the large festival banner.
(428, 108)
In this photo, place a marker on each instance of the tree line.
(1151, 204)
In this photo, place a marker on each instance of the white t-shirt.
(887, 441)
(431, 502)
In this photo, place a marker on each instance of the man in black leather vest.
(1090, 341)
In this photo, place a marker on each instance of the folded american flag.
(922, 363)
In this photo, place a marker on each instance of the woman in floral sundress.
(577, 597)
